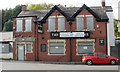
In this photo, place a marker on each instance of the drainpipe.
(70, 23)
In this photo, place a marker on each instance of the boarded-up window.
(28, 47)
(56, 48)
(5, 47)
(51, 23)
(61, 23)
(80, 23)
(19, 26)
(28, 25)
(90, 23)
(85, 47)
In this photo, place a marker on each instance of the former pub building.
(60, 33)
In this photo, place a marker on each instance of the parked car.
(92, 58)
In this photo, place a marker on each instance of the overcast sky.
(12, 3)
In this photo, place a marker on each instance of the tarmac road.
(18, 65)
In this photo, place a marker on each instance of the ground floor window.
(28, 47)
(84, 47)
(56, 47)
(5, 47)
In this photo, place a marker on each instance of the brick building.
(60, 33)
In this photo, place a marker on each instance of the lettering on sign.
(72, 34)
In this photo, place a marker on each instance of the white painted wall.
(6, 55)
(6, 37)
(110, 31)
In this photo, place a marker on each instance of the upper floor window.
(19, 26)
(90, 22)
(51, 23)
(28, 25)
(80, 22)
(61, 23)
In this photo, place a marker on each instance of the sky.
(78, 3)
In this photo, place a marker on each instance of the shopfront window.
(56, 48)
(5, 48)
(85, 47)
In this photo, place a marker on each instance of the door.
(21, 52)
(102, 58)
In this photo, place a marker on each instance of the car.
(94, 58)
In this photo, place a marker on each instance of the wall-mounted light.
(13, 28)
(98, 26)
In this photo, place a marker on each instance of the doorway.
(21, 52)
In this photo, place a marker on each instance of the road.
(17, 65)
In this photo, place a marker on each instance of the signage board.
(71, 34)
(61, 35)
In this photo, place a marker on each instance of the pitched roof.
(69, 12)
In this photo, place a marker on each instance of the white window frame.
(57, 41)
(93, 22)
(80, 16)
(48, 23)
(17, 26)
(58, 23)
(31, 48)
(84, 40)
(31, 24)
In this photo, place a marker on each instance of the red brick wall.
(96, 35)
(28, 56)
(99, 33)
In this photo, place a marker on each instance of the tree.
(8, 26)
(115, 28)
(7, 17)
(39, 6)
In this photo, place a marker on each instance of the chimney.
(103, 3)
(24, 7)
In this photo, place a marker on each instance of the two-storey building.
(60, 33)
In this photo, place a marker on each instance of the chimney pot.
(24, 7)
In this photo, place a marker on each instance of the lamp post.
(70, 23)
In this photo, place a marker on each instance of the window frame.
(9, 50)
(64, 41)
(54, 24)
(84, 40)
(80, 16)
(26, 48)
(93, 22)
(42, 48)
(58, 23)
(31, 24)
(21, 23)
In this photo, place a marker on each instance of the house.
(62, 33)
(6, 45)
